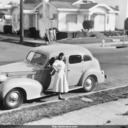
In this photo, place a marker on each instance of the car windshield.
(36, 58)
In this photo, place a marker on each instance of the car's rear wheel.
(89, 83)
(13, 99)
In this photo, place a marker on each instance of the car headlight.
(3, 77)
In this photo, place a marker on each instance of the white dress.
(60, 83)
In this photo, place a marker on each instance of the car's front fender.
(32, 87)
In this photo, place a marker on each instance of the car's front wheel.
(89, 83)
(13, 99)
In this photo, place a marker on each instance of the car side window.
(73, 59)
(87, 58)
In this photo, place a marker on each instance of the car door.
(74, 69)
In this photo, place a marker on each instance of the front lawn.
(48, 110)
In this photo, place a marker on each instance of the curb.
(56, 101)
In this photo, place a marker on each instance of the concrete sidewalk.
(42, 42)
(110, 113)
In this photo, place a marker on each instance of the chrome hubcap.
(88, 83)
(13, 98)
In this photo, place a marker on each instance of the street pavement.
(103, 114)
(111, 113)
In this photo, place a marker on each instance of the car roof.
(56, 48)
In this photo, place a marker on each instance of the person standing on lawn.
(60, 84)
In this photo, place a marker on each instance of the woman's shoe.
(60, 98)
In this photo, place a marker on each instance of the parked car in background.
(31, 79)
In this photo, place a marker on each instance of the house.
(71, 15)
(5, 17)
(65, 15)
(122, 6)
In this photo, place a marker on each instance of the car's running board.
(74, 87)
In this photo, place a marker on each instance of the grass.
(20, 117)
(92, 40)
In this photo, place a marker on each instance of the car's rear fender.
(32, 88)
(98, 74)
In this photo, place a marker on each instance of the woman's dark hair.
(60, 55)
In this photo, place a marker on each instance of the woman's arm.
(54, 66)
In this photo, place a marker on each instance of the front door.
(74, 69)
(99, 23)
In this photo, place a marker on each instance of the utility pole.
(21, 22)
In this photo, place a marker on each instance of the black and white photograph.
(64, 63)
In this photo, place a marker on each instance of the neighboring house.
(71, 15)
(122, 6)
(5, 17)
(66, 15)
(30, 17)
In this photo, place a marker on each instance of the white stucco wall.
(29, 20)
(103, 19)
(62, 22)
(49, 22)
(123, 8)
(71, 26)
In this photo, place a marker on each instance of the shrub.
(33, 32)
(61, 35)
(113, 33)
(7, 29)
(126, 24)
(88, 24)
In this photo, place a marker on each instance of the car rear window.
(87, 58)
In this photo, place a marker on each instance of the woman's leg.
(60, 96)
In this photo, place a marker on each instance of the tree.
(126, 24)
(88, 24)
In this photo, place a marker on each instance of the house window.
(54, 16)
(71, 18)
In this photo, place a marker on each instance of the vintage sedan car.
(31, 79)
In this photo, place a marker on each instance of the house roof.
(115, 9)
(87, 6)
(60, 4)
(30, 6)
(67, 1)
(64, 4)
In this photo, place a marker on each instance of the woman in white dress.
(60, 84)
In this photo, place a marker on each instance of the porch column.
(36, 21)
(105, 22)
(89, 16)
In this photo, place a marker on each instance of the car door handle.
(69, 70)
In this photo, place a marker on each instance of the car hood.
(18, 67)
